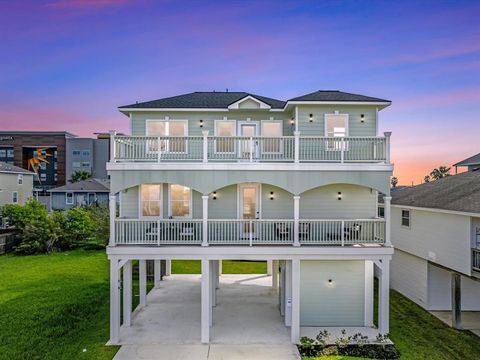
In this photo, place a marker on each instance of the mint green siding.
(281, 207)
(129, 202)
(338, 304)
(225, 206)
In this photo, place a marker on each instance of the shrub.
(78, 227)
(101, 219)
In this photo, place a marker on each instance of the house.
(16, 184)
(436, 234)
(472, 163)
(81, 193)
(211, 176)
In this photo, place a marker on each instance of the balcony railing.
(329, 232)
(476, 259)
(250, 149)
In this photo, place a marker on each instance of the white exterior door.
(248, 147)
(249, 208)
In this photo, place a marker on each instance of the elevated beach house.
(211, 176)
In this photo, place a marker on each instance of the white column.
(368, 293)
(168, 267)
(114, 302)
(275, 274)
(157, 273)
(269, 267)
(213, 285)
(112, 145)
(295, 326)
(142, 281)
(112, 204)
(296, 144)
(205, 220)
(217, 274)
(456, 301)
(387, 146)
(296, 223)
(127, 293)
(205, 145)
(220, 267)
(384, 298)
(205, 322)
(288, 292)
(388, 220)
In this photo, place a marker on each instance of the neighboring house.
(16, 184)
(472, 163)
(81, 193)
(233, 175)
(436, 234)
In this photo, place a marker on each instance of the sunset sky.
(68, 64)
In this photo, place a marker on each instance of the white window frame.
(234, 135)
(20, 179)
(336, 145)
(14, 197)
(94, 198)
(167, 131)
(409, 219)
(378, 211)
(66, 198)
(190, 210)
(140, 203)
(280, 149)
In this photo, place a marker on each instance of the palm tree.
(440, 172)
(394, 181)
(80, 175)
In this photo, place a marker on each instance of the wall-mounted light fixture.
(214, 195)
(330, 282)
(271, 195)
(339, 195)
(310, 117)
(201, 123)
(292, 121)
(362, 118)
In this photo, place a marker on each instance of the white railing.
(329, 232)
(250, 149)
(476, 259)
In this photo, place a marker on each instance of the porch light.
(292, 121)
(310, 117)
(271, 195)
(330, 282)
(339, 195)
(201, 123)
(214, 195)
(362, 118)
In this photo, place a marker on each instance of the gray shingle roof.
(4, 167)
(472, 160)
(335, 95)
(85, 185)
(204, 100)
(457, 193)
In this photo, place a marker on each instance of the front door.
(249, 208)
(248, 146)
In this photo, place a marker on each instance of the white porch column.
(205, 220)
(368, 293)
(275, 274)
(205, 146)
(112, 204)
(220, 267)
(213, 285)
(387, 146)
(168, 267)
(142, 282)
(288, 292)
(296, 150)
(388, 220)
(127, 293)
(217, 275)
(296, 223)
(295, 326)
(384, 298)
(157, 273)
(269, 267)
(114, 302)
(205, 322)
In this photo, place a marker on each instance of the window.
(76, 164)
(381, 212)
(43, 166)
(151, 199)
(69, 198)
(76, 152)
(225, 129)
(86, 152)
(406, 218)
(86, 164)
(3, 153)
(10, 153)
(20, 179)
(272, 129)
(180, 201)
(168, 128)
(43, 177)
(15, 197)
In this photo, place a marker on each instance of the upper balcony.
(254, 149)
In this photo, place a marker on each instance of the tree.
(440, 172)
(80, 175)
(426, 179)
(394, 182)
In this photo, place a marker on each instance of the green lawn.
(54, 307)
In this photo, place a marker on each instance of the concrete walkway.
(470, 320)
(246, 322)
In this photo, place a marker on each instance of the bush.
(101, 218)
(78, 227)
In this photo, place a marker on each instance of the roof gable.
(249, 102)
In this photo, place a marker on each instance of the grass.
(55, 306)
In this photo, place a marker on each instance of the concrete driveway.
(246, 322)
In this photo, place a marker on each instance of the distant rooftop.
(8, 168)
(11, 132)
(85, 185)
(472, 160)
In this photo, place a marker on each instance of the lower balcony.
(280, 232)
